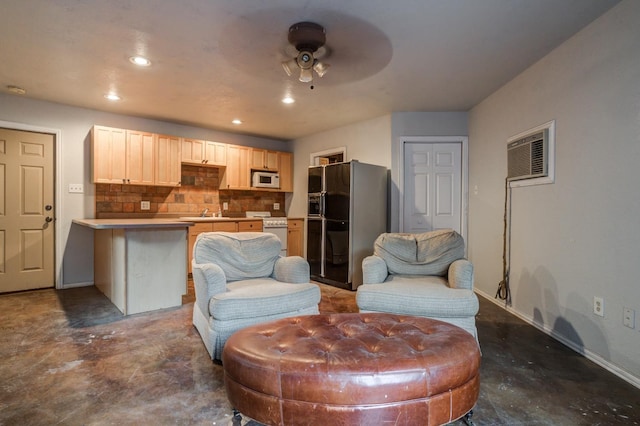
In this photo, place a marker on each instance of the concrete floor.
(69, 357)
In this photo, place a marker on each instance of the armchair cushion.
(429, 253)
(261, 297)
(417, 295)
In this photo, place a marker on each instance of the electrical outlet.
(145, 205)
(629, 317)
(276, 206)
(598, 306)
(76, 188)
(225, 206)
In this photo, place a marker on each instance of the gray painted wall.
(579, 237)
(74, 125)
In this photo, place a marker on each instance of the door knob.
(48, 219)
(48, 207)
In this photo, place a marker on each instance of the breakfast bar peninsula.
(140, 264)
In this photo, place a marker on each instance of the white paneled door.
(26, 210)
(432, 186)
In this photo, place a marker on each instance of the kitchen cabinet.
(286, 171)
(108, 151)
(140, 158)
(295, 230)
(168, 150)
(192, 151)
(215, 153)
(122, 156)
(132, 157)
(203, 153)
(237, 174)
(261, 159)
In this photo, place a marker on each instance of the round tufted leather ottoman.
(352, 369)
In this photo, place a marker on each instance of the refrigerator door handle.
(322, 203)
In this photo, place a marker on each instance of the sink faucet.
(204, 212)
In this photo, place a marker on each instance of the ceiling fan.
(308, 39)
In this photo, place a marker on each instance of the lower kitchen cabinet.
(295, 228)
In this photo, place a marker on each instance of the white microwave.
(265, 180)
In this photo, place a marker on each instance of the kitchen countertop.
(132, 223)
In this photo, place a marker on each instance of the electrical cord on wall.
(504, 293)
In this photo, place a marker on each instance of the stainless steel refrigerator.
(347, 210)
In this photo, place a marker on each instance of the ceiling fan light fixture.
(308, 38)
(290, 66)
(306, 75)
(320, 68)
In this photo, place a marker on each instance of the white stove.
(273, 225)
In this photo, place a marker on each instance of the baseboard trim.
(75, 285)
(612, 368)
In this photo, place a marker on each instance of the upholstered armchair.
(240, 280)
(423, 275)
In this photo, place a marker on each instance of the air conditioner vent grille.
(527, 157)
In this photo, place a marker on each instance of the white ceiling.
(216, 60)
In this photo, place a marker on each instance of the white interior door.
(432, 186)
(27, 256)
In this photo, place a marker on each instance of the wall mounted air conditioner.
(528, 156)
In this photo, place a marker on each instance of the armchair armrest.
(461, 274)
(291, 269)
(374, 270)
(208, 280)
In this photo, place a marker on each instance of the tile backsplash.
(199, 191)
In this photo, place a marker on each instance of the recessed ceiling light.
(288, 100)
(236, 121)
(112, 97)
(16, 89)
(140, 61)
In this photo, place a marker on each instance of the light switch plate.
(76, 188)
(276, 206)
(225, 206)
(145, 205)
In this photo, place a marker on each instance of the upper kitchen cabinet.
(261, 159)
(168, 157)
(108, 150)
(204, 153)
(286, 171)
(132, 157)
(192, 151)
(140, 158)
(237, 174)
(122, 156)
(215, 153)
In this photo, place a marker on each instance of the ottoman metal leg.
(237, 418)
(467, 418)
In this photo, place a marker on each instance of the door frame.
(464, 178)
(57, 241)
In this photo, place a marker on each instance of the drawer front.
(295, 223)
(225, 226)
(200, 227)
(250, 226)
